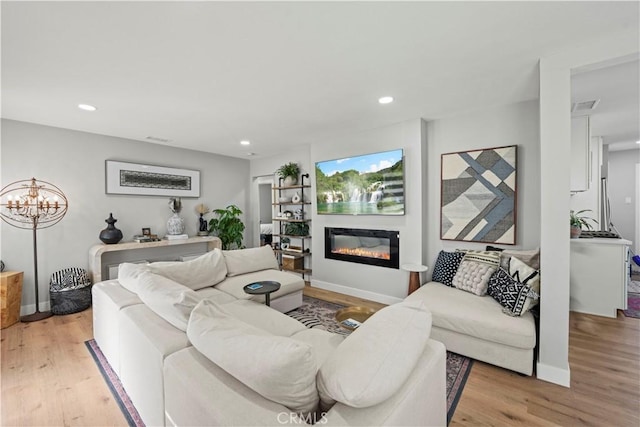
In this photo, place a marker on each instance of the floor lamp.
(33, 204)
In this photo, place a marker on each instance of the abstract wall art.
(478, 195)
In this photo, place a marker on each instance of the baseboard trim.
(31, 308)
(371, 296)
(553, 374)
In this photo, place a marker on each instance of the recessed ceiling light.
(245, 142)
(87, 107)
(637, 142)
(386, 100)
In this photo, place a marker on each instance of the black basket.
(70, 291)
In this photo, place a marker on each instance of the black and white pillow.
(515, 297)
(446, 267)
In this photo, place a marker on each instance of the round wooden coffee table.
(359, 314)
(265, 288)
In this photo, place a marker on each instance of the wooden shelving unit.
(301, 240)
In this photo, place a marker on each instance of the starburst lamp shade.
(33, 204)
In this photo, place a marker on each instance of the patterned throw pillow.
(525, 274)
(446, 267)
(516, 298)
(475, 270)
(530, 257)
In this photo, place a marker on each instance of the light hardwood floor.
(49, 378)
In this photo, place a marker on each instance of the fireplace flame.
(362, 253)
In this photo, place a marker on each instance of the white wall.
(590, 199)
(75, 162)
(515, 124)
(377, 283)
(623, 187)
(555, 117)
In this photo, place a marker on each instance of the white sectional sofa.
(467, 315)
(476, 327)
(216, 356)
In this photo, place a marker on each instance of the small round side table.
(414, 275)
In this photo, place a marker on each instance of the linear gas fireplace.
(373, 247)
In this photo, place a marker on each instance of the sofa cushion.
(244, 261)
(475, 270)
(480, 317)
(446, 267)
(323, 343)
(260, 316)
(168, 299)
(372, 363)
(289, 283)
(128, 274)
(202, 272)
(514, 296)
(280, 369)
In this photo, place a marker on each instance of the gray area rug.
(316, 313)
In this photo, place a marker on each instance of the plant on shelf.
(228, 227)
(289, 172)
(297, 229)
(577, 220)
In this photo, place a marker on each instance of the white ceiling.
(617, 116)
(205, 75)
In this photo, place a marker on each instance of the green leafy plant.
(577, 219)
(290, 169)
(228, 227)
(297, 229)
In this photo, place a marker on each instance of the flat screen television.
(370, 184)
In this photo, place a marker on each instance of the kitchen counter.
(599, 275)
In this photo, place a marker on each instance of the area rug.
(122, 398)
(315, 313)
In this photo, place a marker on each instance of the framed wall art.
(478, 195)
(148, 180)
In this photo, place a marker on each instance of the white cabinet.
(580, 153)
(599, 276)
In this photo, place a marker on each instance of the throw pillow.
(244, 261)
(373, 363)
(280, 369)
(129, 274)
(446, 267)
(202, 272)
(515, 297)
(475, 270)
(529, 257)
(524, 274)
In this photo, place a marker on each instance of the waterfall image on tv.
(371, 184)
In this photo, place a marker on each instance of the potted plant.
(228, 227)
(289, 172)
(577, 220)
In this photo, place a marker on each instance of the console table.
(129, 251)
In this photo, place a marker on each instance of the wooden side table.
(10, 297)
(414, 275)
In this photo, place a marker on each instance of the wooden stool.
(414, 275)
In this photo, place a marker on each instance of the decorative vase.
(110, 235)
(296, 198)
(175, 225)
(575, 232)
(290, 181)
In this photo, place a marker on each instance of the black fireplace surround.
(372, 247)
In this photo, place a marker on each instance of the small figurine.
(202, 228)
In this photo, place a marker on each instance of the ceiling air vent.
(584, 106)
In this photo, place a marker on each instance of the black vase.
(111, 234)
